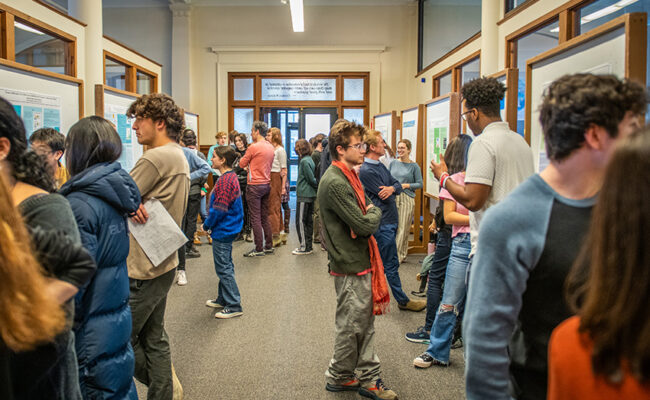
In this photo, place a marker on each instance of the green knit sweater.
(306, 184)
(339, 214)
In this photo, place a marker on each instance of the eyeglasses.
(464, 115)
(360, 146)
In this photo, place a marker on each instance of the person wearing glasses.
(49, 144)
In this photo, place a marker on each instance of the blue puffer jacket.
(101, 197)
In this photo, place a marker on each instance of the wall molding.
(298, 49)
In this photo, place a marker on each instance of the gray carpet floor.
(281, 346)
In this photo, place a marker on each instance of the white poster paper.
(437, 139)
(37, 110)
(299, 89)
(131, 149)
(384, 124)
(410, 129)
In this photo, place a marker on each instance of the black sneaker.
(269, 251)
(419, 294)
(457, 343)
(254, 253)
(227, 313)
(425, 360)
(419, 336)
(192, 253)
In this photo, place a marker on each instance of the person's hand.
(438, 168)
(432, 226)
(406, 185)
(386, 192)
(141, 215)
(369, 206)
(202, 193)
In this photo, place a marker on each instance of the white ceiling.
(165, 3)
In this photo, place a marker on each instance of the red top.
(260, 157)
(570, 375)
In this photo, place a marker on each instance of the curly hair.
(189, 137)
(573, 103)
(26, 166)
(160, 107)
(303, 148)
(484, 94)
(340, 135)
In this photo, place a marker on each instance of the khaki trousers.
(405, 205)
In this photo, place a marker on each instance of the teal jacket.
(307, 185)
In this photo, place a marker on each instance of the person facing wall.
(49, 143)
(306, 187)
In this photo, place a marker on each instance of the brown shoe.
(377, 390)
(284, 237)
(197, 240)
(413, 305)
(276, 241)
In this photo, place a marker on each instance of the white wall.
(447, 26)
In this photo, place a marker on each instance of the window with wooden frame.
(28, 41)
(513, 4)
(452, 79)
(122, 74)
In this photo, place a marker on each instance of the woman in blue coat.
(102, 196)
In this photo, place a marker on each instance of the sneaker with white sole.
(419, 336)
(182, 278)
(213, 304)
(227, 312)
(425, 360)
(254, 253)
(301, 252)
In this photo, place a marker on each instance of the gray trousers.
(355, 332)
(153, 365)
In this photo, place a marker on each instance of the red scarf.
(380, 296)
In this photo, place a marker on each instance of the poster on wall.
(192, 122)
(437, 138)
(131, 149)
(37, 110)
(384, 124)
(410, 129)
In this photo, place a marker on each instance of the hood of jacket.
(109, 182)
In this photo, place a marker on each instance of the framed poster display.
(411, 129)
(192, 122)
(442, 123)
(388, 125)
(509, 104)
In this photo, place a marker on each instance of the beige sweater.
(161, 173)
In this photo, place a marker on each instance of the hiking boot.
(228, 313)
(419, 336)
(213, 304)
(377, 390)
(254, 253)
(351, 385)
(413, 305)
(425, 360)
(182, 278)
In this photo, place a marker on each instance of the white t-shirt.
(499, 158)
(279, 160)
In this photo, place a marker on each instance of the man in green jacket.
(346, 231)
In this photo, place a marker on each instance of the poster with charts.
(437, 139)
(410, 129)
(37, 110)
(131, 149)
(384, 124)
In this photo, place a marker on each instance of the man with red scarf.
(349, 219)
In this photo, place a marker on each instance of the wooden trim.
(71, 58)
(82, 111)
(456, 74)
(99, 100)
(565, 26)
(512, 87)
(450, 53)
(110, 39)
(39, 71)
(131, 78)
(122, 92)
(508, 15)
(56, 10)
(635, 47)
(37, 24)
(8, 37)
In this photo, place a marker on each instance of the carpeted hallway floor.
(281, 346)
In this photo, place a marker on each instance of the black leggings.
(304, 224)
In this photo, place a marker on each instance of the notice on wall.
(37, 110)
(131, 149)
(299, 89)
(410, 129)
(437, 139)
(384, 125)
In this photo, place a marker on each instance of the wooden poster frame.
(635, 53)
(396, 123)
(512, 92)
(454, 131)
(416, 245)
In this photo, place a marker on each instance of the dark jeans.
(286, 210)
(258, 205)
(437, 276)
(304, 224)
(386, 236)
(227, 290)
(246, 228)
(188, 226)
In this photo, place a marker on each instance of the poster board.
(112, 104)
(192, 122)
(617, 47)
(509, 77)
(41, 98)
(388, 125)
(411, 129)
(442, 117)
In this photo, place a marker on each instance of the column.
(181, 71)
(490, 14)
(90, 12)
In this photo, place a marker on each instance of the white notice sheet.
(160, 236)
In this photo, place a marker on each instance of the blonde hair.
(371, 138)
(276, 136)
(28, 316)
(221, 134)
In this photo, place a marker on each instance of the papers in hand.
(160, 236)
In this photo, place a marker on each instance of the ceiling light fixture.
(27, 28)
(606, 11)
(297, 15)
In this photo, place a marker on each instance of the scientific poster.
(131, 149)
(410, 129)
(192, 122)
(37, 110)
(437, 139)
(384, 124)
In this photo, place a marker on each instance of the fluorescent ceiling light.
(555, 30)
(606, 11)
(27, 28)
(297, 15)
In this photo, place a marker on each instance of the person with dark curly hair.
(162, 173)
(49, 143)
(529, 241)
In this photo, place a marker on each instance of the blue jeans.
(437, 276)
(453, 298)
(202, 210)
(385, 237)
(228, 292)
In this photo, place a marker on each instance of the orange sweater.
(570, 374)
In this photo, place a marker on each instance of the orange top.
(570, 375)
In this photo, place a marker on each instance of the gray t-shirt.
(499, 158)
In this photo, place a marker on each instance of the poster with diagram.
(436, 138)
(37, 110)
(410, 129)
(384, 124)
(131, 149)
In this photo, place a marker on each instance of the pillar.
(490, 14)
(181, 71)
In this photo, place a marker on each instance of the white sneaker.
(182, 278)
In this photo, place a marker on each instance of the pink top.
(259, 158)
(458, 178)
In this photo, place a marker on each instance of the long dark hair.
(92, 140)
(612, 273)
(26, 166)
(456, 154)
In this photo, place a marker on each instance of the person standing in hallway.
(381, 188)
(349, 221)
(306, 188)
(317, 150)
(408, 173)
(278, 183)
(161, 173)
(241, 144)
(259, 158)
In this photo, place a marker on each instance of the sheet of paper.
(160, 237)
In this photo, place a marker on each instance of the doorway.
(298, 123)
